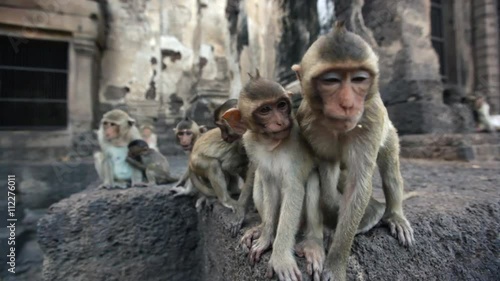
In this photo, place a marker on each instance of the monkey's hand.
(259, 246)
(314, 253)
(249, 236)
(400, 228)
(204, 201)
(285, 267)
(237, 220)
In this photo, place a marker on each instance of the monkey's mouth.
(281, 134)
(186, 147)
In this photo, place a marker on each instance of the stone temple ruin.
(64, 63)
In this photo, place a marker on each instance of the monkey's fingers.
(270, 272)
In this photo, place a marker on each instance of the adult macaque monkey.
(154, 165)
(345, 122)
(116, 131)
(283, 168)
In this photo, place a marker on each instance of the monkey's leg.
(257, 194)
(269, 211)
(312, 246)
(137, 178)
(243, 202)
(183, 179)
(98, 164)
(218, 182)
(392, 184)
(355, 198)
(107, 173)
(282, 260)
(201, 185)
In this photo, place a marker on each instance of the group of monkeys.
(304, 170)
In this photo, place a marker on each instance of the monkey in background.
(117, 129)
(284, 166)
(487, 122)
(154, 165)
(345, 123)
(217, 161)
(186, 134)
(148, 135)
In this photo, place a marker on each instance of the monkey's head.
(115, 124)
(187, 132)
(227, 133)
(147, 130)
(338, 74)
(264, 107)
(137, 148)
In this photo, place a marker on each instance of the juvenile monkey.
(154, 165)
(346, 124)
(186, 134)
(148, 134)
(283, 168)
(116, 131)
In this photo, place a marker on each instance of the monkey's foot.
(259, 246)
(142, 184)
(400, 228)
(230, 206)
(334, 270)
(179, 191)
(236, 221)
(204, 202)
(314, 253)
(285, 267)
(249, 236)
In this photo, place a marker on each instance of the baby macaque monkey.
(344, 120)
(116, 131)
(284, 166)
(148, 135)
(154, 165)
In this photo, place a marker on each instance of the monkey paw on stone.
(314, 253)
(250, 235)
(259, 246)
(180, 191)
(236, 221)
(400, 228)
(285, 268)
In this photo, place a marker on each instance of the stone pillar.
(410, 82)
(82, 84)
(485, 24)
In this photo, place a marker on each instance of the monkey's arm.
(136, 164)
(282, 260)
(361, 155)
(218, 182)
(183, 179)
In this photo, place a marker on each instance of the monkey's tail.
(375, 211)
(200, 185)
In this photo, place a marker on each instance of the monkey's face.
(273, 118)
(111, 130)
(343, 93)
(146, 132)
(186, 139)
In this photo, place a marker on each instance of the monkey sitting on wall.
(154, 165)
(117, 129)
(216, 163)
(344, 120)
(186, 134)
(284, 166)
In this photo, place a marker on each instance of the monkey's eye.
(282, 105)
(265, 110)
(331, 77)
(360, 76)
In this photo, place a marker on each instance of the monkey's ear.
(203, 129)
(296, 69)
(131, 121)
(233, 118)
